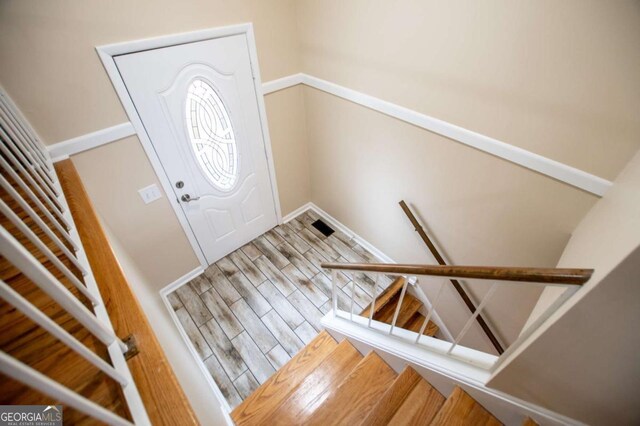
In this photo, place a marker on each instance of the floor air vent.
(323, 227)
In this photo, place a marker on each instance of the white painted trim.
(282, 83)
(107, 54)
(170, 288)
(372, 249)
(419, 293)
(538, 163)
(442, 372)
(297, 212)
(346, 230)
(164, 292)
(264, 123)
(554, 169)
(20, 116)
(72, 146)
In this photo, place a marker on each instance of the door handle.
(187, 198)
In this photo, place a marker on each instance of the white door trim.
(107, 54)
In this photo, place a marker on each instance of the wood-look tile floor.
(254, 309)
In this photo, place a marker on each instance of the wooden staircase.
(333, 384)
(409, 316)
(32, 345)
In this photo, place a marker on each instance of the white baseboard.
(346, 230)
(419, 293)
(170, 288)
(297, 212)
(164, 292)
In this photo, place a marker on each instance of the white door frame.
(107, 53)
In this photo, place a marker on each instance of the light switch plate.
(150, 193)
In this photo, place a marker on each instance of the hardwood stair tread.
(387, 295)
(460, 409)
(420, 406)
(268, 397)
(358, 393)
(529, 422)
(320, 383)
(392, 399)
(416, 322)
(410, 305)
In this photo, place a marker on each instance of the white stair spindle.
(15, 253)
(24, 306)
(373, 298)
(14, 154)
(41, 224)
(31, 236)
(431, 310)
(353, 296)
(471, 320)
(334, 291)
(36, 201)
(397, 312)
(13, 368)
(18, 134)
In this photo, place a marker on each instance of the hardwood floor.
(256, 308)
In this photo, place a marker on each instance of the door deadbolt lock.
(179, 184)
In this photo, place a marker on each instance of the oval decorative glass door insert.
(211, 135)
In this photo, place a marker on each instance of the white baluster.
(431, 310)
(31, 236)
(373, 298)
(33, 378)
(466, 327)
(23, 305)
(397, 312)
(43, 226)
(353, 296)
(15, 253)
(334, 291)
(14, 154)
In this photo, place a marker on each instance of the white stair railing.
(569, 279)
(34, 204)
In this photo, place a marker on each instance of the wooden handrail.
(161, 394)
(580, 276)
(496, 273)
(463, 294)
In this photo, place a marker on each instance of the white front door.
(199, 106)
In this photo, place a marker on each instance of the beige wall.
(287, 127)
(51, 70)
(557, 78)
(151, 233)
(481, 210)
(584, 361)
